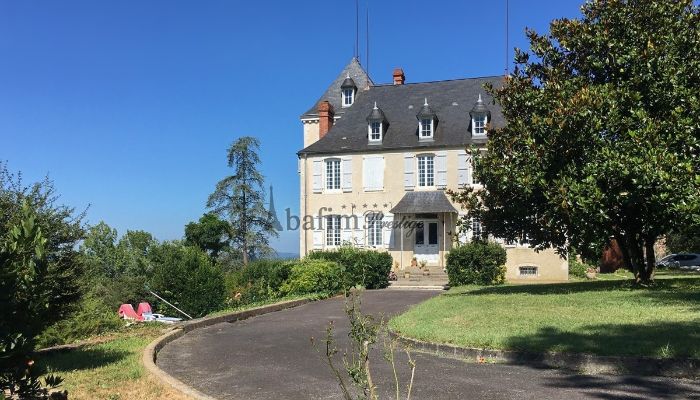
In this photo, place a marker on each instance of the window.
(333, 230)
(375, 131)
(426, 128)
(527, 271)
(333, 174)
(348, 95)
(426, 171)
(479, 127)
(374, 229)
(477, 231)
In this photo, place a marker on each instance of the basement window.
(528, 270)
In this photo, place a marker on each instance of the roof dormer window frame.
(348, 97)
(426, 128)
(348, 91)
(374, 131)
(427, 119)
(377, 124)
(480, 116)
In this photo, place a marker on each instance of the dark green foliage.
(684, 240)
(477, 262)
(261, 280)
(209, 234)
(313, 276)
(27, 288)
(366, 268)
(603, 133)
(186, 277)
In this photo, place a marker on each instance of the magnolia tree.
(603, 133)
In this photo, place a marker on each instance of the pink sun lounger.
(126, 311)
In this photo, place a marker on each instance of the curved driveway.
(271, 357)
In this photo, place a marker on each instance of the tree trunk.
(650, 259)
(244, 230)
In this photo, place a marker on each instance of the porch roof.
(424, 202)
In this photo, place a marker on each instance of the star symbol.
(343, 206)
(386, 205)
(364, 205)
(374, 205)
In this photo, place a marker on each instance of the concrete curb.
(150, 353)
(585, 363)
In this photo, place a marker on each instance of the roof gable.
(359, 77)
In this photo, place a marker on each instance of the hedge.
(477, 262)
(366, 268)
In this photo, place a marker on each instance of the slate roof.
(359, 77)
(423, 202)
(451, 101)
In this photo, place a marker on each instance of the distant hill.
(286, 256)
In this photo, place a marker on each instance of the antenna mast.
(507, 52)
(357, 29)
(367, 37)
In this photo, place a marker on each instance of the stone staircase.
(435, 278)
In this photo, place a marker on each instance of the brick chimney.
(399, 77)
(325, 118)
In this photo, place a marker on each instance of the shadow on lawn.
(667, 340)
(80, 359)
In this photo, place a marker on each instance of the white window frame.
(332, 178)
(333, 229)
(375, 223)
(370, 130)
(348, 94)
(427, 178)
(479, 125)
(477, 229)
(425, 134)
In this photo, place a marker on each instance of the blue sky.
(129, 106)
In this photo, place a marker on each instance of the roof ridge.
(437, 81)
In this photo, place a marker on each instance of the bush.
(313, 276)
(577, 268)
(186, 277)
(478, 262)
(92, 318)
(367, 268)
(260, 280)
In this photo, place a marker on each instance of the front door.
(426, 246)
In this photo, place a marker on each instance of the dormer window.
(479, 125)
(480, 115)
(427, 119)
(348, 90)
(376, 125)
(375, 131)
(426, 128)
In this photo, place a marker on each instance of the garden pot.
(407, 275)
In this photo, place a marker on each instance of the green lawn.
(609, 316)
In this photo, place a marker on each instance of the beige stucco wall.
(358, 202)
(310, 131)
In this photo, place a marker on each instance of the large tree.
(603, 133)
(239, 198)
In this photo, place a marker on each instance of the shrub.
(478, 262)
(367, 268)
(92, 318)
(186, 277)
(260, 280)
(313, 276)
(577, 268)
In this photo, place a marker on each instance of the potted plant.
(423, 263)
(407, 274)
(414, 262)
